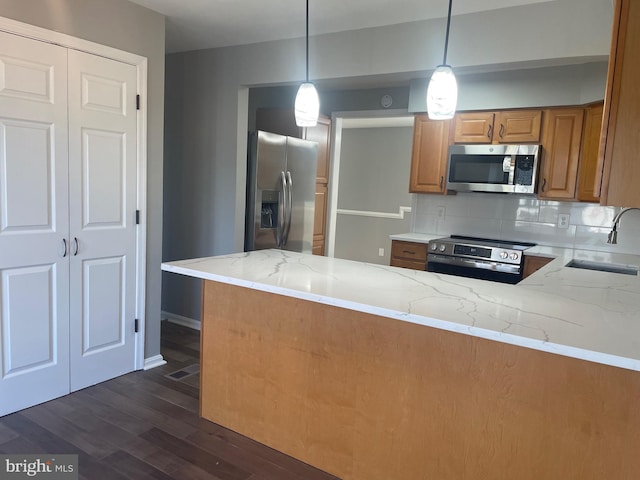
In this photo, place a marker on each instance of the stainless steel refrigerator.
(281, 185)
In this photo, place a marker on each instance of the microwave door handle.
(512, 170)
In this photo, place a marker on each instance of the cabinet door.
(320, 219)
(589, 154)
(533, 263)
(560, 153)
(34, 223)
(517, 126)
(429, 157)
(621, 142)
(473, 127)
(321, 134)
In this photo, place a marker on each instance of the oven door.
(474, 268)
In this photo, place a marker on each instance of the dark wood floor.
(146, 426)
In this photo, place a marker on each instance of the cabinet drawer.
(409, 251)
(412, 264)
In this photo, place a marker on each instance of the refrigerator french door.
(281, 181)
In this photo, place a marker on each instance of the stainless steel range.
(495, 260)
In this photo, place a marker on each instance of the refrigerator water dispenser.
(269, 211)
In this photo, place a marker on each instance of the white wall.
(208, 103)
(129, 27)
(530, 87)
(524, 218)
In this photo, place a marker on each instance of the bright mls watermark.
(51, 467)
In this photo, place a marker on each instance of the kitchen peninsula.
(375, 372)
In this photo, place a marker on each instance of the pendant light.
(307, 106)
(442, 93)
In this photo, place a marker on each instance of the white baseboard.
(153, 362)
(180, 320)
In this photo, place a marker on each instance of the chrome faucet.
(613, 234)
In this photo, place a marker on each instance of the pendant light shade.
(307, 106)
(442, 92)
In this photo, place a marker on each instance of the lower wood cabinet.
(408, 255)
(533, 263)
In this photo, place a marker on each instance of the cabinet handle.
(409, 252)
(441, 182)
(64, 242)
(501, 133)
(75, 252)
(544, 183)
(490, 131)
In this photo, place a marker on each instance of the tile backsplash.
(514, 217)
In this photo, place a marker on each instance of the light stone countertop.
(584, 314)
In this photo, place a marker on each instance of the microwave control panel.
(523, 174)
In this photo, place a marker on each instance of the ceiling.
(199, 24)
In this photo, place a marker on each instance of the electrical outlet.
(381, 252)
(441, 212)
(563, 220)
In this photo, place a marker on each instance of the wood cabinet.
(408, 255)
(587, 191)
(533, 263)
(429, 156)
(561, 141)
(382, 399)
(508, 126)
(620, 156)
(282, 121)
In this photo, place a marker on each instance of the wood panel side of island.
(371, 398)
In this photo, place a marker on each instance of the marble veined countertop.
(590, 315)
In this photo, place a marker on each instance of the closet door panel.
(102, 205)
(34, 261)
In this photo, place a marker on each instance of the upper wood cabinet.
(587, 191)
(620, 157)
(508, 126)
(561, 141)
(429, 156)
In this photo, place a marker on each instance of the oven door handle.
(474, 263)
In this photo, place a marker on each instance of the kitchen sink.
(604, 267)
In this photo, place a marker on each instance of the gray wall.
(374, 177)
(209, 102)
(531, 87)
(129, 27)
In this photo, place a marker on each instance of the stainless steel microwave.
(493, 168)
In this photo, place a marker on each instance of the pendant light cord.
(446, 38)
(307, 77)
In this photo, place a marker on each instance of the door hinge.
(137, 102)
(136, 325)
(137, 217)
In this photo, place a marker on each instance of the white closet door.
(34, 271)
(102, 205)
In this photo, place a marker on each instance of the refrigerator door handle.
(282, 211)
(289, 207)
